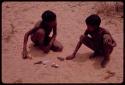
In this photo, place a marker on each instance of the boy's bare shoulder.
(38, 23)
(104, 30)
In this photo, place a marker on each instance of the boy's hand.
(25, 54)
(70, 57)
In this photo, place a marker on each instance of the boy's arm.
(78, 45)
(54, 34)
(76, 49)
(25, 53)
(26, 40)
(80, 42)
(86, 33)
(52, 39)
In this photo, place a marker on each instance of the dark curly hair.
(93, 20)
(48, 16)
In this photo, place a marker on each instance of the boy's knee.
(38, 36)
(83, 38)
(40, 32)
(57, 47)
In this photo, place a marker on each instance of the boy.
(40, 34)
(96, 38)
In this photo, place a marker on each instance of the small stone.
(55, 65)
(39, 62)
(45, 62)
(60, 58)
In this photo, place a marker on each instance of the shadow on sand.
(82, 57)
(97, 62)
(86, 56)
(35, 51)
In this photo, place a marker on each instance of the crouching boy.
(96, 38)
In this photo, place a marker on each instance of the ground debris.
(42, 62)
(109, 74)
(60, 58)
(13, 28)
(55, 65)
(39, 62)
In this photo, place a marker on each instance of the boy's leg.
(57, 46)
(85, 40)
(38, 37)
(90, 44)
(107, 51)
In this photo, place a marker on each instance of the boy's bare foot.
(70, 57)
(26, 55)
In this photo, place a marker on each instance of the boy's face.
(90, 28)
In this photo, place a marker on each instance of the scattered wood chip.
(60, 58)
(45, 62)
(39, 62)
(55, 65)
(42, 62)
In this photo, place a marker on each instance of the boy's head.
(48, 16)
(93, 21)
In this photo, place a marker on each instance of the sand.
(20, 17)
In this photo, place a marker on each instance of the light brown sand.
(19, 17)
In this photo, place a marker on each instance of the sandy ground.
(20, 17)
